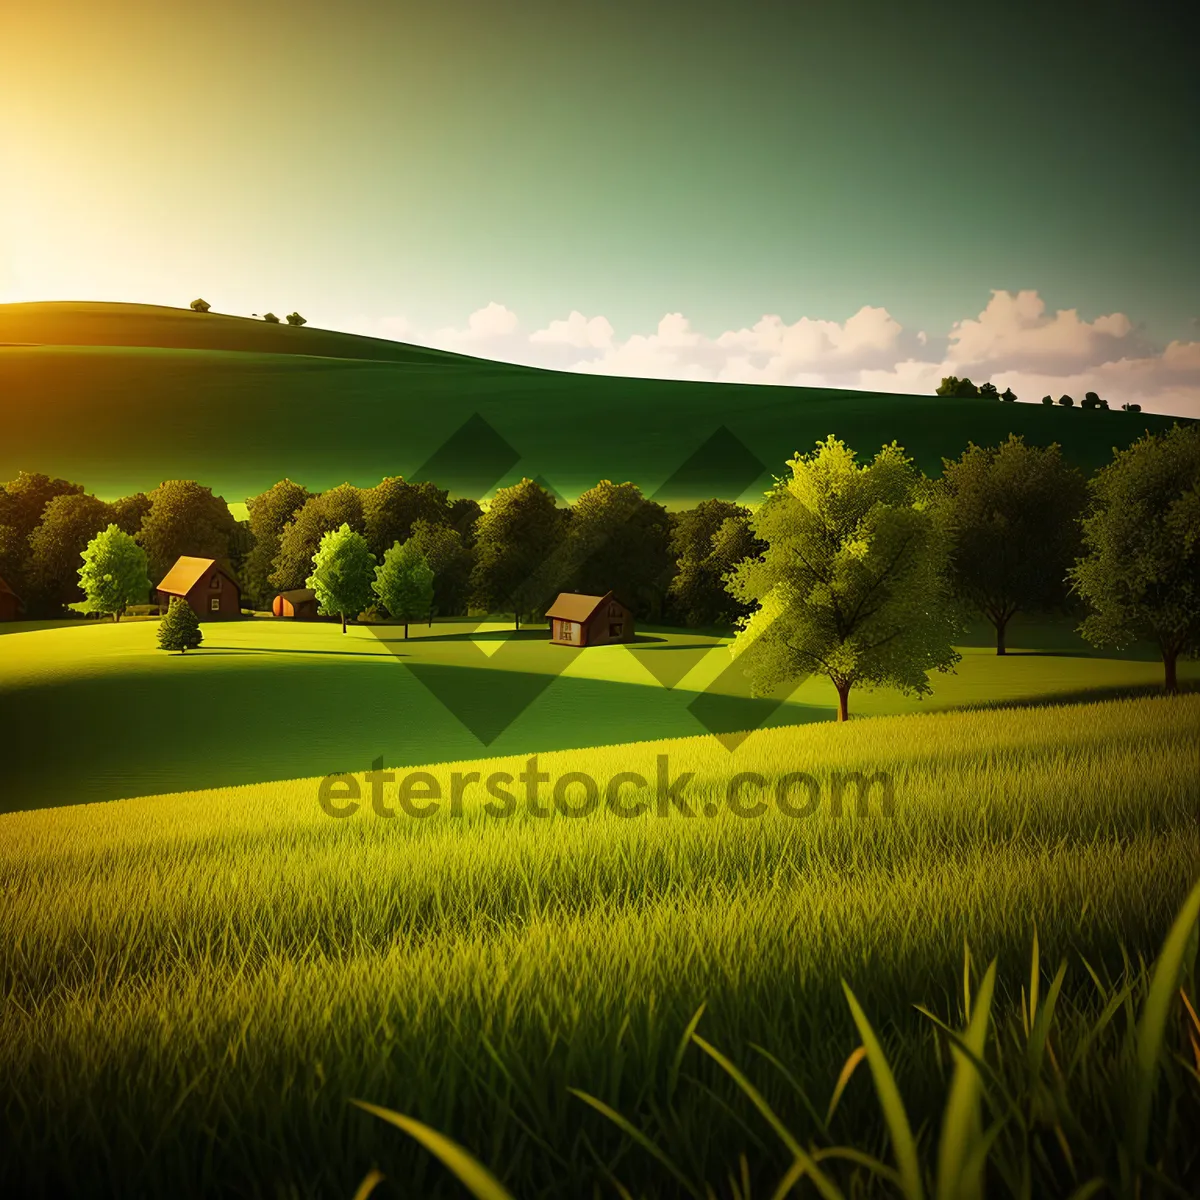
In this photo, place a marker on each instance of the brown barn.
(10, 603)
(211, 591)
(577, 620)
(300, 603)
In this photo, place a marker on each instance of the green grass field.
(196, 985)
(86, 389)
(95, 711)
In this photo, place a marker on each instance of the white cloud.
(1013, 342)
(576, 331)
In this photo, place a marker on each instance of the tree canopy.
(343, 569)
(851, 583)
(113, 575)
(1140, 571)
(1014, 511)
(185, 518)
(518, 542)
(404, 584)
(707, 542)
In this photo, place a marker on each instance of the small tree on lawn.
(851, 584)
(113, 575)
(200, 306)
(1066, 401)
(1140, 572)
(1014, 511)
(342, 570)
(1008, 396)
(294, 318)
(179, 630)
(404, 584)
(270, 318)
(989, 391)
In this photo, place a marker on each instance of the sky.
(863, 195)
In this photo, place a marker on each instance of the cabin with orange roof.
(579, 620)
(205, 584)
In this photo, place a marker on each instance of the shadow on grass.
(1094, 695)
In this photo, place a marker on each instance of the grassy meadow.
(86, 387)
(95, 711)
(196, 985)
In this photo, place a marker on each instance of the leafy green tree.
(948, 386)
(319, 515)
(707, 542)
(450, 559)
(1066, 401)
(200, 306)
(268, 515)
(342, 571)
(270, 318)
(130, 511)
(179, 630)
(1047, 399)
(404, 584)
(988, 391)
(616, 539)
(113, 575)
(1140, 570)
(294, 318)
(1008, 396)
(22, 502)
(185, 518)
(852, 582)
(1014, 511)
(68, 523)
(966, 389)
(464, 513)
(393, 506)
(518, 541)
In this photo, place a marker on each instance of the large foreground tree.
(1014, 511)
(1140, 573)
(852, 582)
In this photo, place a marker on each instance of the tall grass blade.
(904, 1146)
(475, 1177)
(1152, 1025)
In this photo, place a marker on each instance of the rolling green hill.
(121, 396)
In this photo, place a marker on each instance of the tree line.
(863, 572)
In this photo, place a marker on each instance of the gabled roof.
(5, 588)
(298, 595)
(187, 572)
(572, 606)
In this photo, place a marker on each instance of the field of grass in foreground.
(195, 986)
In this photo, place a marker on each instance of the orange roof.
(572, 606)
(297, 595)
(187, 572)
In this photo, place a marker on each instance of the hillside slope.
(120, 397)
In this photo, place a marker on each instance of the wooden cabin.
(207, 586)
(300, 603)
(577, 620)
(10, 603)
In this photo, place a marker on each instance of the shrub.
(199, 306)
(270, 318)
(294, 318)
(180, 628)
(1066, 401)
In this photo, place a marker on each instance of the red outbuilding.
(211, 591)
(577, 620)
(300, 603)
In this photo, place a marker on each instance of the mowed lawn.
(95, 711)
(197, 985)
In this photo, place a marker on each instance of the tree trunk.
(1170, 680)
(116, 617)
(843, 692)
(516, 620)
(343, 616)
(1001, 626)
(406, 631)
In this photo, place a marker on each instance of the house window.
(614, 629)
(566, 631)
(215, 581)
(214, 604)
